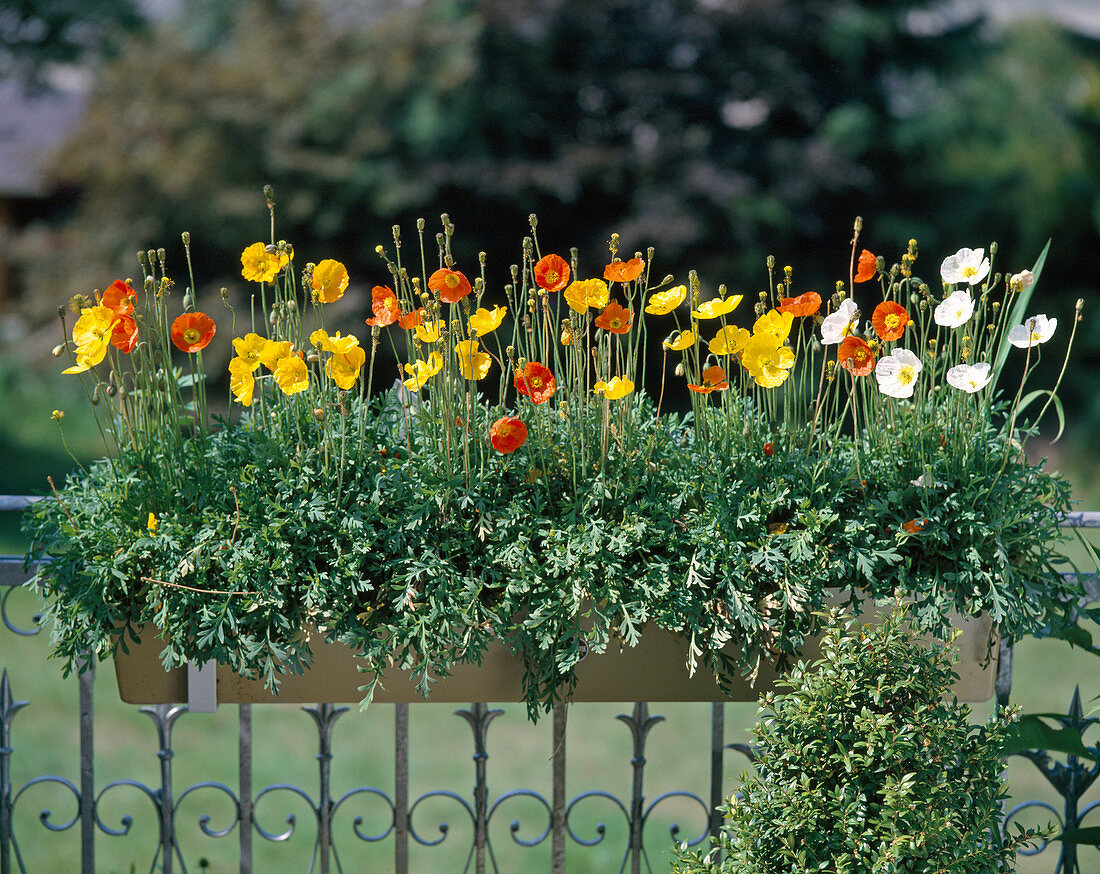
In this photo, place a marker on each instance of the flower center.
(452, 280)
(892, 321)
(552, 276)
(535, 381)
(906, 374)
(191, 336)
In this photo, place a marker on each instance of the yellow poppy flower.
(471, 363)
(430, 332)
(260, 265)
(683, 340)
(273, 351)
(729, 341)
(767, 360)
(248, 349)
(664, 302)
(241, 381)
(92, 335)
(330, 280)
(152, 523)
(344, 367)
(485, 321)
(336, 344)
(715, 308)
(421, 371)
(585, 293)
(775, 323)
(291, 374)
(614, 389)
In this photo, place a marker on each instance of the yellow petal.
(683, 340)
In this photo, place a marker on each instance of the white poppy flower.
(1035, 330)
(1020, 281)
(956, 309)
(969, 377)
(838, 325)
(966, 265)
(897, 373)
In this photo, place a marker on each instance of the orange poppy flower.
(124, 337)
(615, 319)
(804, 305)
(384, 305)
(868, 266)
(913, 526)
(552, 272)
(769, 448)
(451, 285)
(536, 382)
(890, 320)
(624, 271)
(855, 356)
(507, 434)
(119, 297)
(411, 320)
(714, 379)
(192, 331)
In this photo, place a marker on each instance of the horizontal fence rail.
(564, 824)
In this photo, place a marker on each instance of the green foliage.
(260, 534)
(867, 766)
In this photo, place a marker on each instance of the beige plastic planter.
(654, 670)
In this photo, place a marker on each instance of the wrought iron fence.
(633, 815)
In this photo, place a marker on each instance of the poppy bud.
(679, 371)
(186, 237)
(313, 358)
(58, 349)
(318, 414)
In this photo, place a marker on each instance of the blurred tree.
(717, 132)
(37, 33)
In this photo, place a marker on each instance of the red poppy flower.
(855, 356)
(624, 271)
(714, 379)
(119, 297)
(890, 319)
(411, 320)
(507, 434)
(124, 337)
(868, 266)
(552, 272)
(615, 319)
(769, 448)
(914, 526)
(192, 331)
(384, 305)
(804, 305)
(536, 381)
(451, 285)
